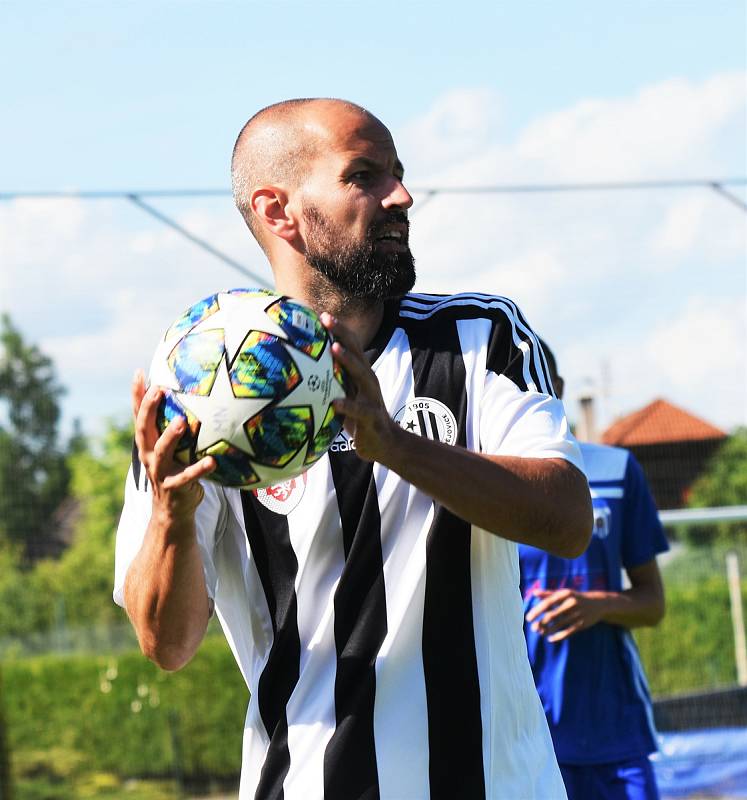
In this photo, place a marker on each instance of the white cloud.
(602, 276)
(665, 129)
(694, 356)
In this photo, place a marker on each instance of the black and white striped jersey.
(380, 635)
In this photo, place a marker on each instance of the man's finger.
(137, 391)
(342, 334)
(558, 636)
(362, 377)
(190, 474)
(146, 432)
(169, 439)
(543, 605)
(559, 616)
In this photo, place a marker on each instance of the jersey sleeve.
(519, 413)
(209, 520)
(643, 536)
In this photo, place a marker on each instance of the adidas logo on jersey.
(343, 443)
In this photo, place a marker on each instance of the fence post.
(6, 791)
(176, 747)
(737, 616)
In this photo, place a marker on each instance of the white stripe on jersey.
(604, 463)
(639, 679)
(610, 492)
(311, 709)
(472, 335)
(531, 353)
(400, 682)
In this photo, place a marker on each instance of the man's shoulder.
(421, 306)
(603, 462)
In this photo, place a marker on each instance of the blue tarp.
(702, 763)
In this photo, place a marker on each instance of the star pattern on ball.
(310, 384)
(233, 311)
(216, 423)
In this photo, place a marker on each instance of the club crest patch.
(602, 516)
(428, 417)
(283, 497)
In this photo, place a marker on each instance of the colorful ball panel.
(233, 465)
(263, 368)
(251, 292)
(326, 435)
(170, 409)
(193, 315)
(194, 360)
(278, 434)
(301, 325)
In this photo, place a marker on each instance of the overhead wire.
(717, 185)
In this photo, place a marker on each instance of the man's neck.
(362, 316)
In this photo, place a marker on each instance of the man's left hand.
(562, 612)
(366, 417)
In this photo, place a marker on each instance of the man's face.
(354, 208)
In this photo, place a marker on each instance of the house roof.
(658, 422)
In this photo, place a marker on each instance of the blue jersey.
(592, 685)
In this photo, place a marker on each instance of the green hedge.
(89, 722)
(121, 715)
(692, 648)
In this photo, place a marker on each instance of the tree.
(723, 483)
(33, 473)
(85, 573)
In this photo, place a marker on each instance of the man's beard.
(355, 269)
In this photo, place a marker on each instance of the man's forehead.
(351, 133)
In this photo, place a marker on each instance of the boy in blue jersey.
(578, 620)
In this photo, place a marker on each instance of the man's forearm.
(541, 502)
(165, 593)
(632, 608)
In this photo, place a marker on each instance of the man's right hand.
(165, 591)
(176, 488)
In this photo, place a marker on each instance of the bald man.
(372, 605)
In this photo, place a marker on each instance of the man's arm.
(537, 501)
(563, 612)
(165, 593)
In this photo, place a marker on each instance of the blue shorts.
(621, 780)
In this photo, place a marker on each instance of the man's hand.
(563, 612)
(366, 416)
(165, 592)
(176, 490)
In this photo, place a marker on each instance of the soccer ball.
(252, 375)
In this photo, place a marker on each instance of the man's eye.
(362, 175)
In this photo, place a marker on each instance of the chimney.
(586, 429)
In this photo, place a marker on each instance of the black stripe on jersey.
(136, 465)
(537, 364)
(137, 469)
(350, 769)
(277, 566)
(449, 654)
(504, 355)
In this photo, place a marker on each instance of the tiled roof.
(658, 422)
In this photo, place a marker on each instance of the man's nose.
(398, 196)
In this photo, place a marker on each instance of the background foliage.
(80, 724)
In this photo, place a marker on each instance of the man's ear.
(270, 205)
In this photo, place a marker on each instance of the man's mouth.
(397, 233)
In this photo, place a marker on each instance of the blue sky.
(131, 95)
